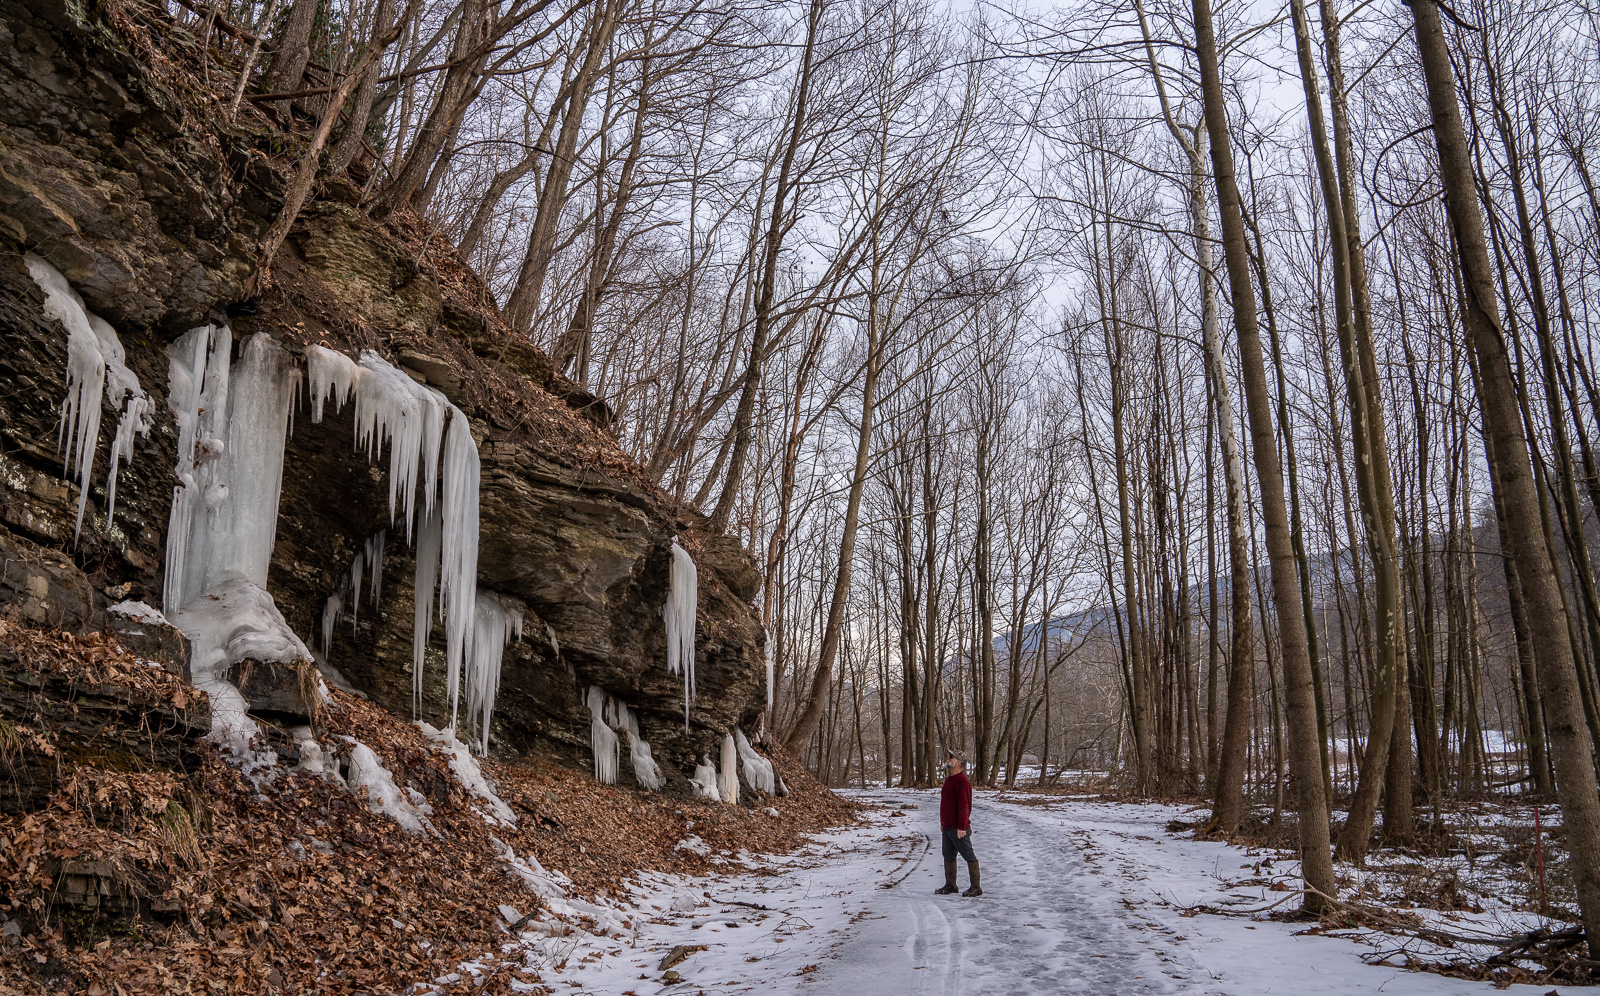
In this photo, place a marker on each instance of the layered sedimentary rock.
(150, 207)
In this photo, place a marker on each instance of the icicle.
(458, 569)
(704, 780)
(95, 366)
(602, 741)
(197, 377)
(645, 769)
(728, 776)
(428, 538)
(498, 619)
(757, 770)
(330, 615)
(679, 614)
(393, 409)
(356, 567)
(244, 529)
(329, 372)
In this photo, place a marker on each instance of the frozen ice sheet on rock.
(704, 781)
(757, 770)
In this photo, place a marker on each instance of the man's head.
(953, 762)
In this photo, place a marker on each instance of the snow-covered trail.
(1080, 897)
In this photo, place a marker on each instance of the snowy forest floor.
(1081, 896)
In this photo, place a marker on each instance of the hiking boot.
(972, 871)
(949, 888)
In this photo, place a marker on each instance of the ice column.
(728, 776)
(766, 645)
(232, 420)
(704, 780)
(602, 741)
(679, 612)
(95, 366)
(645, 769)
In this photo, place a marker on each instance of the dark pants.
(954, 845)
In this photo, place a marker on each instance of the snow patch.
(467, 772)
(383, 796)
(139, 612)
(694, 845)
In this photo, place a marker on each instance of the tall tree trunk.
(1502, 425)
(1306, 756)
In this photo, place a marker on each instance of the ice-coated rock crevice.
(96, 367)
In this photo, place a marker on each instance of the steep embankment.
(329, 844)
(131, 185)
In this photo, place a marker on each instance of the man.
(955, 823)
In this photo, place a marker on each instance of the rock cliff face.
(137, 192)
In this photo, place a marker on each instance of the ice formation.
(95, 367)
(431, 453)
(728, 776)
(469, 774)
(427, 573)
(607, 715)
(682, 592)
(232, 419)
(645, 769)
(704, 780)
(546, 884)
(498, 619)
(757, 770)
(602, 741)
(366, 566)
(313, 759)
(408, 809)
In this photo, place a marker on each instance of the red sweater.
(955, 803)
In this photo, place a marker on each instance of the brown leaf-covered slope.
(204, 882)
